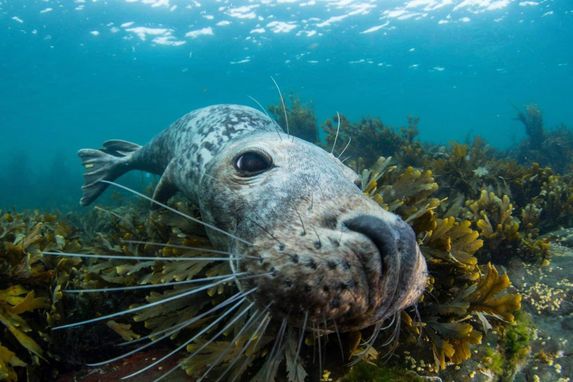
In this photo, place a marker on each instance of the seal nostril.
(379, 231)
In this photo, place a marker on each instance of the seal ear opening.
(108, 163)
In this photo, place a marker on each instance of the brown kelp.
(30, 289)
(471, 207)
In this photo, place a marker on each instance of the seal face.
(332, 252)
(324, 250)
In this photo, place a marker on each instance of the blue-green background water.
(75, 73)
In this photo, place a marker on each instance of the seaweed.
(368, 139)
(553, 148)
(301, 119)
(465, 296)
(26, 299)
(471, 207)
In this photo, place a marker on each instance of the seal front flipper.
(166, 187)
(110, 162)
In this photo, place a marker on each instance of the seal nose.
(380, 232)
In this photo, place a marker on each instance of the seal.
(284, 208)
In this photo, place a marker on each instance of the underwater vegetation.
(473, 209)
(553, 148)
(301, 118)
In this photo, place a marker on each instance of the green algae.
(516, 344)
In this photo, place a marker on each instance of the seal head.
(329, 251)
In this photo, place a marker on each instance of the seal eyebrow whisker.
(283, 105)
(337, 131)
(171, 209)
(277, 127)
(345, 147)
(146, 306)
(189, 341)
(168, 332)
(143, 258)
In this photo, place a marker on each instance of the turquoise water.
(75, 73)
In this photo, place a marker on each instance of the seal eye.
(252, 163)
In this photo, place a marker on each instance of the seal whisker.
(169, 331)
(340, 346)
(393, 340)
(418, 319)
(176, 246)
(301, 222)
(276, 352)
(187, 359)
(151, 286)
(316, 335)
(177, 212)
(252, 337)
(302, 331)
(337, 131)
(281, 244)
(146, 306)
(138, 258)
(265, 230)
(267, 320)
(283, 104)
(345, 147)
(177, 327)
(393, 334)
(368, 344)
(253, 319)
(114, 214)
(318, 244)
